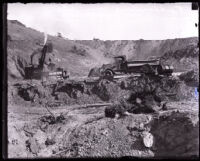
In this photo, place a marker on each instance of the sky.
(109, 21)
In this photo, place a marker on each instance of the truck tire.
(109, 72)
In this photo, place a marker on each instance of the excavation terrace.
(95, 109)
(142, 116)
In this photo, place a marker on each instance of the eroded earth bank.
(142, 116)
(145, 116)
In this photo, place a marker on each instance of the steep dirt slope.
(79, 56)
(182, 54)
(22, 41)
(184, 59)
(68, 130)
(139, 49)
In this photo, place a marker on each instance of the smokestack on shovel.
(48, 46)
(45, 38)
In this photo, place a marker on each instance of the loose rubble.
(134, 124)
(148, 116)
(103, 90)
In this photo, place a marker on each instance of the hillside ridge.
(79, 56)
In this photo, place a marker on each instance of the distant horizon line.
(98, 39)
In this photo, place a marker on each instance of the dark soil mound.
(176, 134)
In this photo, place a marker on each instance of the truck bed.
(142, 62)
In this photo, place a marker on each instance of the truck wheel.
(109, 73)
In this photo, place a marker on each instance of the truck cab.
(120, 63)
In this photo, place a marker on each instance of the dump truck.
(122, 66)
(42, 71)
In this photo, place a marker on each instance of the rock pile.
(143, 88)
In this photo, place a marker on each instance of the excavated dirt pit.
(48, 121)
(34, 93)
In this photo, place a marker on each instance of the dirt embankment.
(163, 125)
(184, 59)
(47, 121)
(78, 57)
(139, 49)
(88, 133)
(67, 93)
(172, 134)
(176, 134)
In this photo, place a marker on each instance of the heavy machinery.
(122, 66)
(43, 71)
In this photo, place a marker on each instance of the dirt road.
(28, 136)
